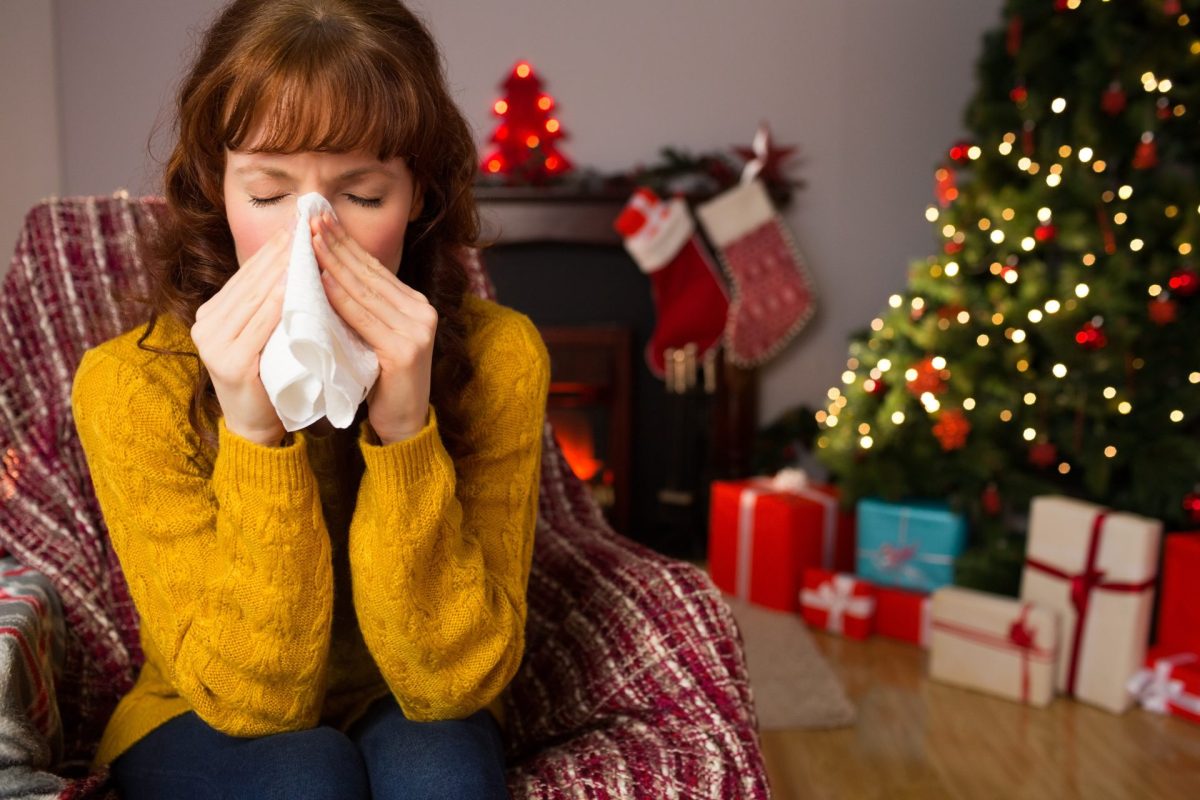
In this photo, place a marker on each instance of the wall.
(30, 160)
(872, 92)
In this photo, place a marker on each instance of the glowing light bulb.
(1059, 370)
(1059, 105)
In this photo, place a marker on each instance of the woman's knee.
(320, 763)
(444, 759)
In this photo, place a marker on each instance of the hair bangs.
(332, 102)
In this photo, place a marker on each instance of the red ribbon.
(1020, 636)
(1081, 587)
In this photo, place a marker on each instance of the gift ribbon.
(1157, 691)
(1081, 587)
(926, 628)
(791, 481)
(1021, 636)
(899, 557)
(836, 596)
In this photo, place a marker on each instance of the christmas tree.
(1047, 346)
(526, 150)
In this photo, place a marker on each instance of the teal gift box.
(911, 545)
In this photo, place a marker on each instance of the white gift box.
(995, 644)
(1096, 568)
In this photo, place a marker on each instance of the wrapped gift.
(764, 532)
(994, 644)
(1179, 605)
(1096, 568)
(837, 602)
(909, 545)
(1169, 683)
(901, 614)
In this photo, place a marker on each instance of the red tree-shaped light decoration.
(525, 140)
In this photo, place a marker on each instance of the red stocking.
(690, 302)
(773, 297)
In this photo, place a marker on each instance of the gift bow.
(1155, 689)
(788, 479)
(837, 597)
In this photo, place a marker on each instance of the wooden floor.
(921, 739)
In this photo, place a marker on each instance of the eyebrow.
(275, 172)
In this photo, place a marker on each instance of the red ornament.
(990, 499)
(952, 247)
(951, 429)
(944, 186)
(1171, 8)
(525, 140)
(928, 379)
(1191, 504)
(1163, 310)
(1163, 108)
(1113, 99)
(959, 152)
(1090, 337)
(1027, 137)
(950, 311)
(1146, 155)
(1019, 95)
(1043, 455)
(1014, 35)
(1045, 233)
(875, 387)
(1061, 5)
(1184, 282)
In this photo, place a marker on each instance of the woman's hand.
(395, 320)
(230, 332)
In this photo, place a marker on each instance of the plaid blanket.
(32, 639)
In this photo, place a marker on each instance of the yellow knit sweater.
(284, 587)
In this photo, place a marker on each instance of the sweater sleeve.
(230, 571)
(440, 562)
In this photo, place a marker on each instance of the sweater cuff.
(249, 462)
(406, 461)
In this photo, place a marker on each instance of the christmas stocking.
(772, 292)
(690, 302)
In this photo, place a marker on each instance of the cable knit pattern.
(231, 563)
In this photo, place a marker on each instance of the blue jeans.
(382, 756)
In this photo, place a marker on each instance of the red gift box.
(901, 614)
(764, 532)
(1179, 604)
(838, 602)
(1169, 684)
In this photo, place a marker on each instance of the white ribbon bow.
(837, 597)
(1156, 690)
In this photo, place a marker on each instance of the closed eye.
(366, 202)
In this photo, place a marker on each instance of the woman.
(334, 613)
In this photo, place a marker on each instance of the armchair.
(633, 684)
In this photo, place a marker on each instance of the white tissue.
(314, 365)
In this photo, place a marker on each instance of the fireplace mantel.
(524, 214)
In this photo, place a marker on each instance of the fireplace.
(558, 260)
